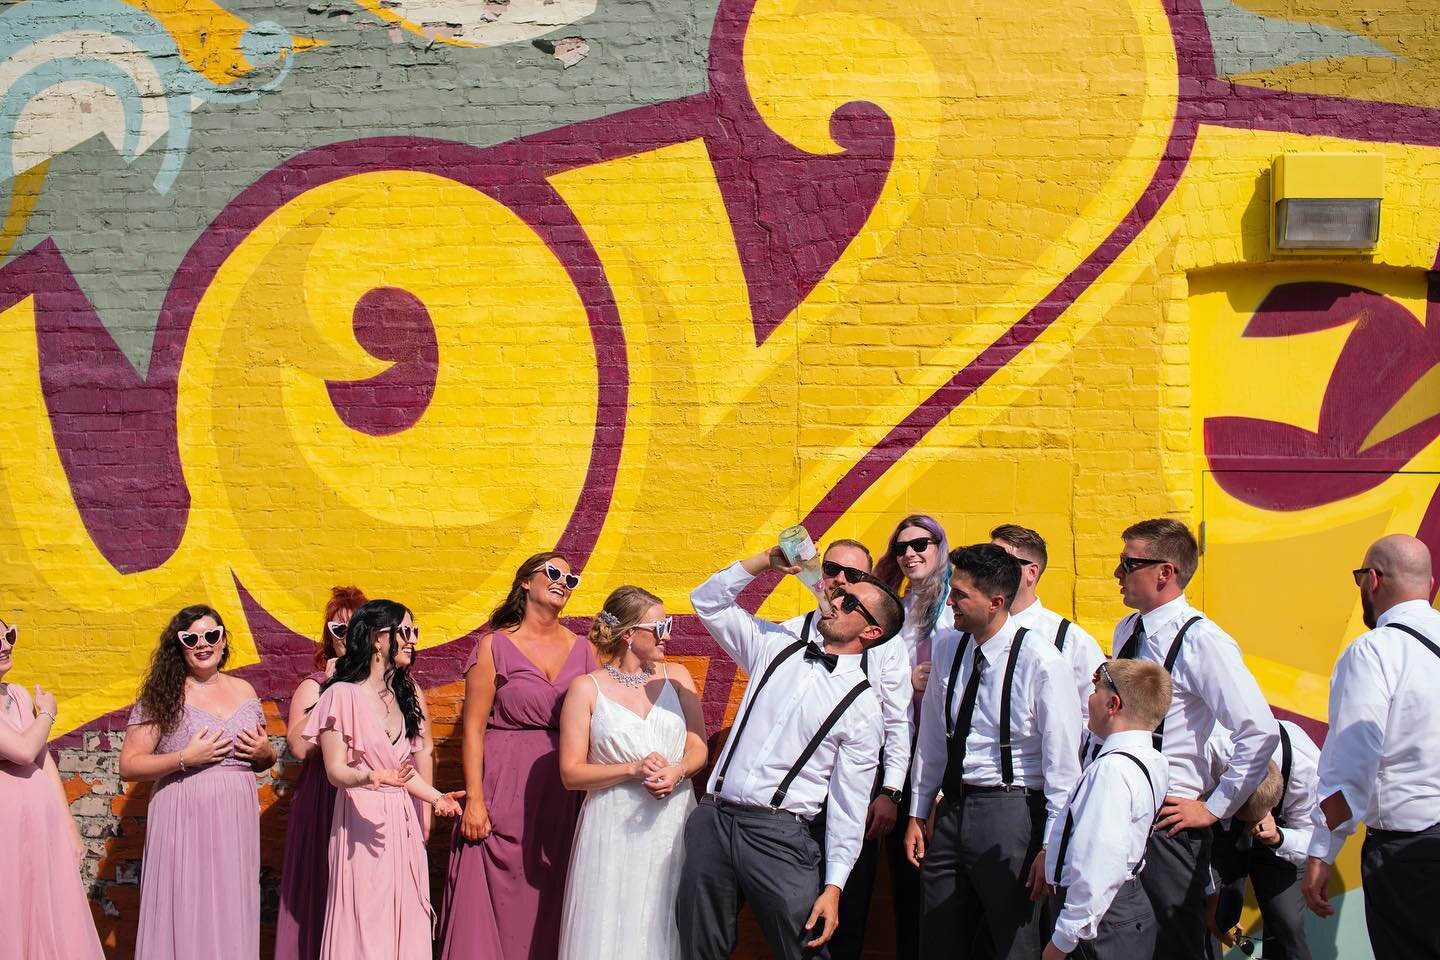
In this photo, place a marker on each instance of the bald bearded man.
(1381, 761)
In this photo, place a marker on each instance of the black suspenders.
(1007, 760)
(1069, 829)
(815, 741)
(1007, 753)
(1158, 737)
(1286, 757)
(1061, 634)
(1417, 635)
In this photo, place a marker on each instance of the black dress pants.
(1175, 876)
(1400, 873)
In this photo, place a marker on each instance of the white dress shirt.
(889, 675)
(794, 703)
(1081, 650)
(1113, 808)
(1045, 742)
(1297, 807)
(1383, 749)
(1211, 685)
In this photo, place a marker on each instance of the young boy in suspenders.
(1096, 845)
(807, 737)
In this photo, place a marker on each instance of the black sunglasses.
(337, 629)
(1103, 672)
(850, 603)
(1131, 564)
(190, 639)
(919, 545)
(572, 580)
(832, 570)
(1359, 575)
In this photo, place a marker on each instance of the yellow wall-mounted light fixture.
(1326, 202)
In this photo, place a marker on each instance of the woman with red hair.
(305, 872)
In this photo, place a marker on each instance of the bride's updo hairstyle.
(624, 608)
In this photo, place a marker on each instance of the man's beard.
(1367, 609)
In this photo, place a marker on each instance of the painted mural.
(395, 294)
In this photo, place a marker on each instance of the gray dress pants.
(1175, 876)
(974, 899)
(736, 854)
(1127, 931)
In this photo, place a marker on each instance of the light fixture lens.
(1304, 224)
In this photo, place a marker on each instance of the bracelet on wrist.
(46, 713)
(180, 756)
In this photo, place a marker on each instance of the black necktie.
(967, 712)
(813, 652)
(1131, 650)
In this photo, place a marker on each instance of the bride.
(631, 733)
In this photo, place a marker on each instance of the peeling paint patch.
(568, 50)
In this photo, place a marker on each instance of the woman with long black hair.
(367, 723)
(511, 852)
(200, 734)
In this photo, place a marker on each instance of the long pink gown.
(377, 904)
(200, 877)
(43, 912)
(504, 894)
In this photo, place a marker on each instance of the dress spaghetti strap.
(594, 681)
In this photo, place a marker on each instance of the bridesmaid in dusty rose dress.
(201, 735)
(43, 911)
(511, 851)
(367, 724)
(305, 871)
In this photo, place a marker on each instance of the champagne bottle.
(800, 551)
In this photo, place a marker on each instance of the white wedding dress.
(625, 866)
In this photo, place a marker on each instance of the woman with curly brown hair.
(201, 735)
(511, 850)
(305, 871)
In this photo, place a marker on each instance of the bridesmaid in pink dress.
(368, 723)
(511, 851)
(43, 911)
(305, 872)
(201, 735)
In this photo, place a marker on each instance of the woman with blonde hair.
(631, 733)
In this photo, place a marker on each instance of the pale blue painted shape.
(1342, 937)
(266, 45)
(1246, 42)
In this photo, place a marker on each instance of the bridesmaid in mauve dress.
(367, 724)
(511, 850)
(305, 871)
(43, 911)
(201, 735)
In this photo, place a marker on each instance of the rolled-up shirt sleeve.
(851, 779)
(1350, 759)
(1227, 686)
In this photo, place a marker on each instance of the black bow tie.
(812, 652)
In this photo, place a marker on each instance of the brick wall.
(297, 294)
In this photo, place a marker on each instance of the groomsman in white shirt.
(888, 668)
(808, 735)
(1077, 646)
(1096, 846)
(1005, 752)
(1381, 760)
(1265, 843)
(1211, 685)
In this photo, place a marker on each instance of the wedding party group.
(1029, 795)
